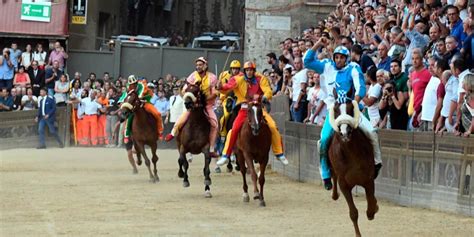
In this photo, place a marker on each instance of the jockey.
(207, 82)
(145, 95)
(227, 99)
(249, 85)
(341, 76)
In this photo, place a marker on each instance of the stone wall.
(258, 42)
(420, 169)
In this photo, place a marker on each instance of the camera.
(389, 90)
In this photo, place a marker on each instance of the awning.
(12, 26)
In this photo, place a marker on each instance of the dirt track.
(92, 192)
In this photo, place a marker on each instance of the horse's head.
(130, 104)
(344, 114)
(255, 116)
(193, 96)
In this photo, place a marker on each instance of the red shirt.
(441, 91)
(419, 81)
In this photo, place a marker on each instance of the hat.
(151, 85)
(202, 59)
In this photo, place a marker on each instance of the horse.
(194, 136)
(351, 157)
(143, 131)
(253, 144)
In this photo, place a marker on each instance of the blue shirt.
(6, 72)
(385, 64)
(468, 46)
(14, 55)
(49, 73)
(6, 101)
(162, 105)
(458, 33)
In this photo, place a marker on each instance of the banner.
(35, 11)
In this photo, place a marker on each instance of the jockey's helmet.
(343, 51)
(249, 64)
(132, 79)
(235, 64)
(202, 59)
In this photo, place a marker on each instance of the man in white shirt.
(430, 99)
(90, 123)
(460, 70)
(176, 106)
(299, 106)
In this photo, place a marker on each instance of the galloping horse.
(194, 135)
(253, 144)
(351, 156)
(143, 131)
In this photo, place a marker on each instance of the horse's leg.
(372, 206)
(353, 213)
(154, 159)
(206, 171)
(261, 180)
(229, 167)
(132, 161)
(243, 171)
(186, 166)
(335, 194)
(141, 149)
(249, 162)
(182, 157)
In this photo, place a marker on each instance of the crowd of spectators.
(416, 58)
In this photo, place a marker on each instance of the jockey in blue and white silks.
(340, 75)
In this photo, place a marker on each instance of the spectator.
(429, 102)
(36, 77)
(61, 90)
(102, 117)
(413, 30)
(468, 45)
(46, 116)
(384, 59)
(455, 23)
(272, 60)
(467, 111)
(40, 56)
(21, 80)
(440, 67)
(16, 100)
(460, 70)
(299, 105)
(317, 110)
(451, 48)
(112, 118)
(163, 106)
(106, 77)
(29, 101)
(52, 74)
(394, 113)
(27, 57)
(58, 54)
(15, 56)
(419, 79)
(90, 110)
(382, 77)
(6, 101)
(371, 100)
(361, 58)
(176, 106)
(400, 79)
(6, 70)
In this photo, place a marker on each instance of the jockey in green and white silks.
(339, 75)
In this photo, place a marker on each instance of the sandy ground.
(92, 192)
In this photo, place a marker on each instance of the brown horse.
(194, 136)
(351, 156)
(253, 144)
(143, 131)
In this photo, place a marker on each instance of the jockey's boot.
(222, 161)
(282, 159)
(377, 170)
(169, 137)
(327, 184)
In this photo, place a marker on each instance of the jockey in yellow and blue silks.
(340, 75)
(227, 99)
(145, 95)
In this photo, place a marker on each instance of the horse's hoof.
(181, 174)
(185, 184)
(207, 182)
(229, 170)
(262, 203)
(217, 170)
(135, 171)
(256, 196)
(335, 197)
(157, 179)
(246, 197)
(237, 168)
(152, 180)
(208, 194)
(139, 162)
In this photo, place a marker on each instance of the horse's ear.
(350, 92)
(334, 92)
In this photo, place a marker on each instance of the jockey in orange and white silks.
(248, 85)
(208, 82)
